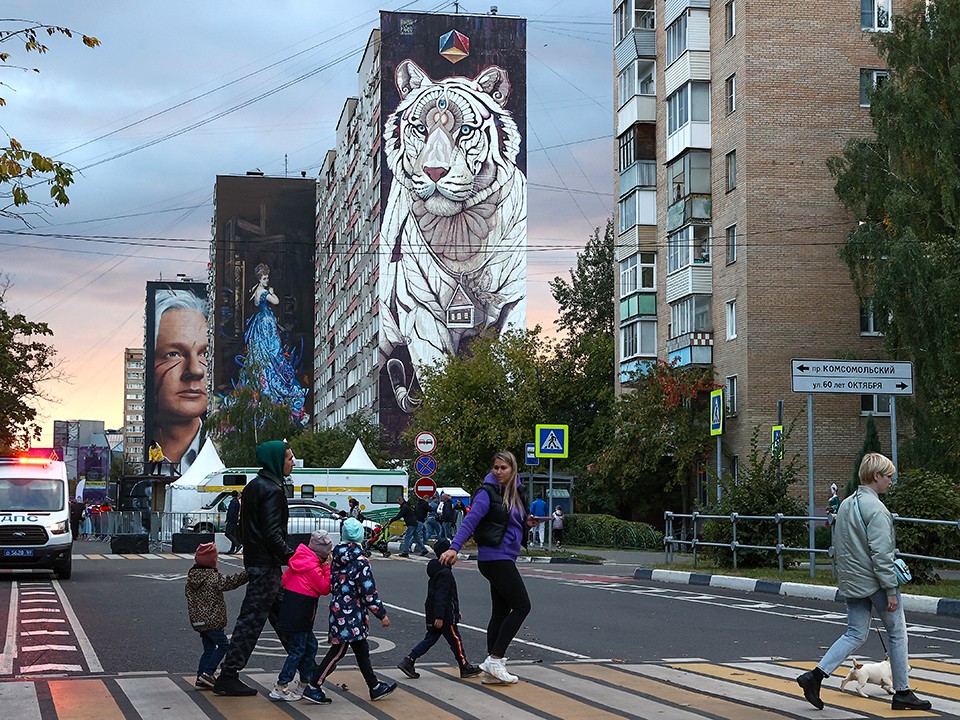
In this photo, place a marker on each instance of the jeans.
(448, 531)
(301, 655)
(858, 629)
(411, 536)
(433, 528)
(215, 645)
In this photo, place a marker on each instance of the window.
(700, 101)
(644, 16)
(689, 245)
(677, 110)
(677, 38)
(692, 314)
(731, 307)
(731, 170)
(689, 174)
(628, 212)
(868, 323)
(874, 14)
(731, 233)
(647, 84)
(730, 395)
(385, 494)
(731, 93)
(627, 83)
(638, 339)
(874, 404)
(639, 207)
(690, 102)
(870, 80)
(628, 276)
(731, 18)
(648, 271)
(621, 21)
(628, 153)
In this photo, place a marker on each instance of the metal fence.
(159, 526)
(686, 534)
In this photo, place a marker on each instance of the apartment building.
(133, 406)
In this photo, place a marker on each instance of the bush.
(929, 495)
(608, 531)
(822, 537)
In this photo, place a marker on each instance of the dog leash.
(882, 643)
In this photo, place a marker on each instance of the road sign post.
(552, 441)
(716, 429)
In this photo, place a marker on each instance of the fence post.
(693, 538)
(668, 537)
(779, 519)
(733, 545)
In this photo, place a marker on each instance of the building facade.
(134, 379)
(748, 110)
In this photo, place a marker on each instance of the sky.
(179, 92)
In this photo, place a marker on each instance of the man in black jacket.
(265, 550)
(233, 523)
(412, 533)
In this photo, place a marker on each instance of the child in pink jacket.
(307, 578)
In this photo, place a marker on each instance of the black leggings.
(510, 603)
(361, 648)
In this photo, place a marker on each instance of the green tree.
(903, 185)
(871, 444)
(330, 447)
(21, 168)
(27, 363)
(483, 401)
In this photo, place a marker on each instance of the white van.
(35, 515)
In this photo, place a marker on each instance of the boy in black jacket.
(443, 613)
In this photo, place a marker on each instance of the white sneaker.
(296, 689)
(496, 670)
(280, 692)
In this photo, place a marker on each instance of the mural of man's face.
(180, 365)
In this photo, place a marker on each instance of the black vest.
(492, 526)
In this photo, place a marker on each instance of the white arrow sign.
(852, 376)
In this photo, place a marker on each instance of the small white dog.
(878, 673)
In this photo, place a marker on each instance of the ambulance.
(35, 515)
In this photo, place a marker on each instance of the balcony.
(695, 279)
(630, 370)
(693, 135)
(691, 349)
(642, 173)
(639, 108)
(691, 209)
(638, 43)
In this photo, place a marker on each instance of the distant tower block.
(454, 46)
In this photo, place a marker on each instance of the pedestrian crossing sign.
(552, 441)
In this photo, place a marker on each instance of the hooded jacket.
(406, 514)
(204, 590)
(352, 592)
(263, 522)
(864, 545)
(442, 600)
(304, 581)
(499, 532)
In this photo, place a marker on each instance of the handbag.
(900, 567)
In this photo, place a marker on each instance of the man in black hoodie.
(412, 533)
(263, 529)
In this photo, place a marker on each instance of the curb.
(912, 603)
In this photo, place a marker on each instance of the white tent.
(183, 494)
(358, 460)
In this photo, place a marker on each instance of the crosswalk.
(692, 689)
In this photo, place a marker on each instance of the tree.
(330, 447)
(26, 364)
(903, 185)
(871, 444)
(586, 302)
(21, 168)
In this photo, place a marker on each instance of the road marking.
(83, 700)
(19, 700)
(160, 698)
(89, 654)
(49, 667)
(44, 648)
(27, 633)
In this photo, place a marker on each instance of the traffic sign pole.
(813, 555)
(550, 511)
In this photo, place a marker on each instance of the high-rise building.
(421, 217)
(750, 101)
(134, 380)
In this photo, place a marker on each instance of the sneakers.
(315, 695)
(424, 553)
(496, 668)
(906, 700)
(232, 687)
(382, 689)
(297, 689)
(810, 682)
(403, 554)
(205, 681)
(406, 667)
(469, 671)
(281, 692)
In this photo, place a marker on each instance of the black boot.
(810, 682)
(906, 700)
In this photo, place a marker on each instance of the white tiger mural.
(455, 225)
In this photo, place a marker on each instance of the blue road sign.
(426, 465)
(716, 412)
(552, 441)
(532, 458)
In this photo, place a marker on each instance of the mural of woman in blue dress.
(274, 365)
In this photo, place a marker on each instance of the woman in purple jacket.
(498, 520)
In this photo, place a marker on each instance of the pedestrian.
(354, 511)
(306, 578)
(865, 549)
(263, 526)
(556, 521)
(447, 515)
(442, 609)
(433, 529)
(461, 513)
(411, 534)
(421, 511)
(353, 591)
(76, 515)
(498, 520)
(233, 523)
(538, 508)
(155, 457)
(208, 610)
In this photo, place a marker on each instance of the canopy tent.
(358, 459)
(183, 494)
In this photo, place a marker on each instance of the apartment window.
(731, 235)
(874, 14)
(730, 395)
(628, 276)
(731, 18)
(692, 314)
(639, 207)
(700, 101)
(628, 144)
(874, 404)
(731, 170)
(647, 275)
(870, 80)
(627, 83)
(638, 339)
(689, 174)
(676, 38)
(621, 20)
(731, 308)
(678, 111)
(628, 212)
(688, 246)
(644, 15)
(731, 93)
(868, 323)
(647, 84)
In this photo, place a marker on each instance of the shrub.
(608, 531)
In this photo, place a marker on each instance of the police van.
(35, 515)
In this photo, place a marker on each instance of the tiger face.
(451, 142)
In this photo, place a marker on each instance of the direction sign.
(552, 441)
(425, 488)
(531, 452)
(852, 376)
(425, 465)
(425, 443)
(716, 412)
